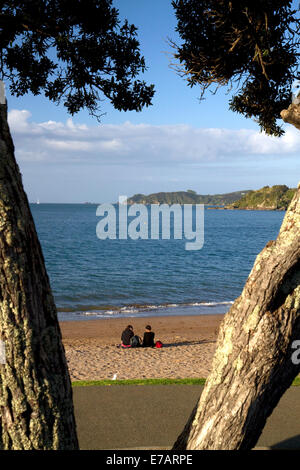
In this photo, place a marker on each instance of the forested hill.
(267, 198)
(187, 197)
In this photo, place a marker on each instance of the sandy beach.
(93, 354)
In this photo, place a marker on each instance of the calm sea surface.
(93, 278)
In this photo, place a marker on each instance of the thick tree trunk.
(36, 408)
(253, 364)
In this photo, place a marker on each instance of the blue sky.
(176, 144)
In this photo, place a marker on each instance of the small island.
(272, 198)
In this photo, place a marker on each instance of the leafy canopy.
(74, 51)
(250, 44)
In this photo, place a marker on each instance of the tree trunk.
(36, 407)
(253, 364)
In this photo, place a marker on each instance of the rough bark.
(292, 115)
(36, 407)
(253, 366)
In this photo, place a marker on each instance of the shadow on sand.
(170, 345)
(293, 443)
(187, 343)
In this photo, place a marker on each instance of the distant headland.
(187, 197)
(267, 198)
(275, 197)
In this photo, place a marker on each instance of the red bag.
(158, 344)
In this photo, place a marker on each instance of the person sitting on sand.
(148, 340)
(126, 336)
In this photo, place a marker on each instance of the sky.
(176, 144)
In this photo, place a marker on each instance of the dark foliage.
(74, 51)
(250, 44)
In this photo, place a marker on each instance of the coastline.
(253, 209)
(136, 310)
(93, 354)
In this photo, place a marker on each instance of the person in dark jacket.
(126, 336)
(148, 340)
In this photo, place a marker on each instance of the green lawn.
(85, 383)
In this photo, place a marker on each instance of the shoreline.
(137, 310)
(189, 343)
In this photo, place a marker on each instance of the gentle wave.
(212, 304)
(137, 310)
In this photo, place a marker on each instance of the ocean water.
(93, 278)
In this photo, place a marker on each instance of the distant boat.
(38, 201)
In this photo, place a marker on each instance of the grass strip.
(192, 381)
(86, 383)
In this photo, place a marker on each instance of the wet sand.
(188, 346)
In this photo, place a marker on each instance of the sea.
(95, 278)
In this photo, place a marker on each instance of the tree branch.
(292, 115)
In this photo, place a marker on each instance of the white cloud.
(142, 144)
(68, 145)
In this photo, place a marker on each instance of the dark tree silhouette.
(250, 46)
(72, 51)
